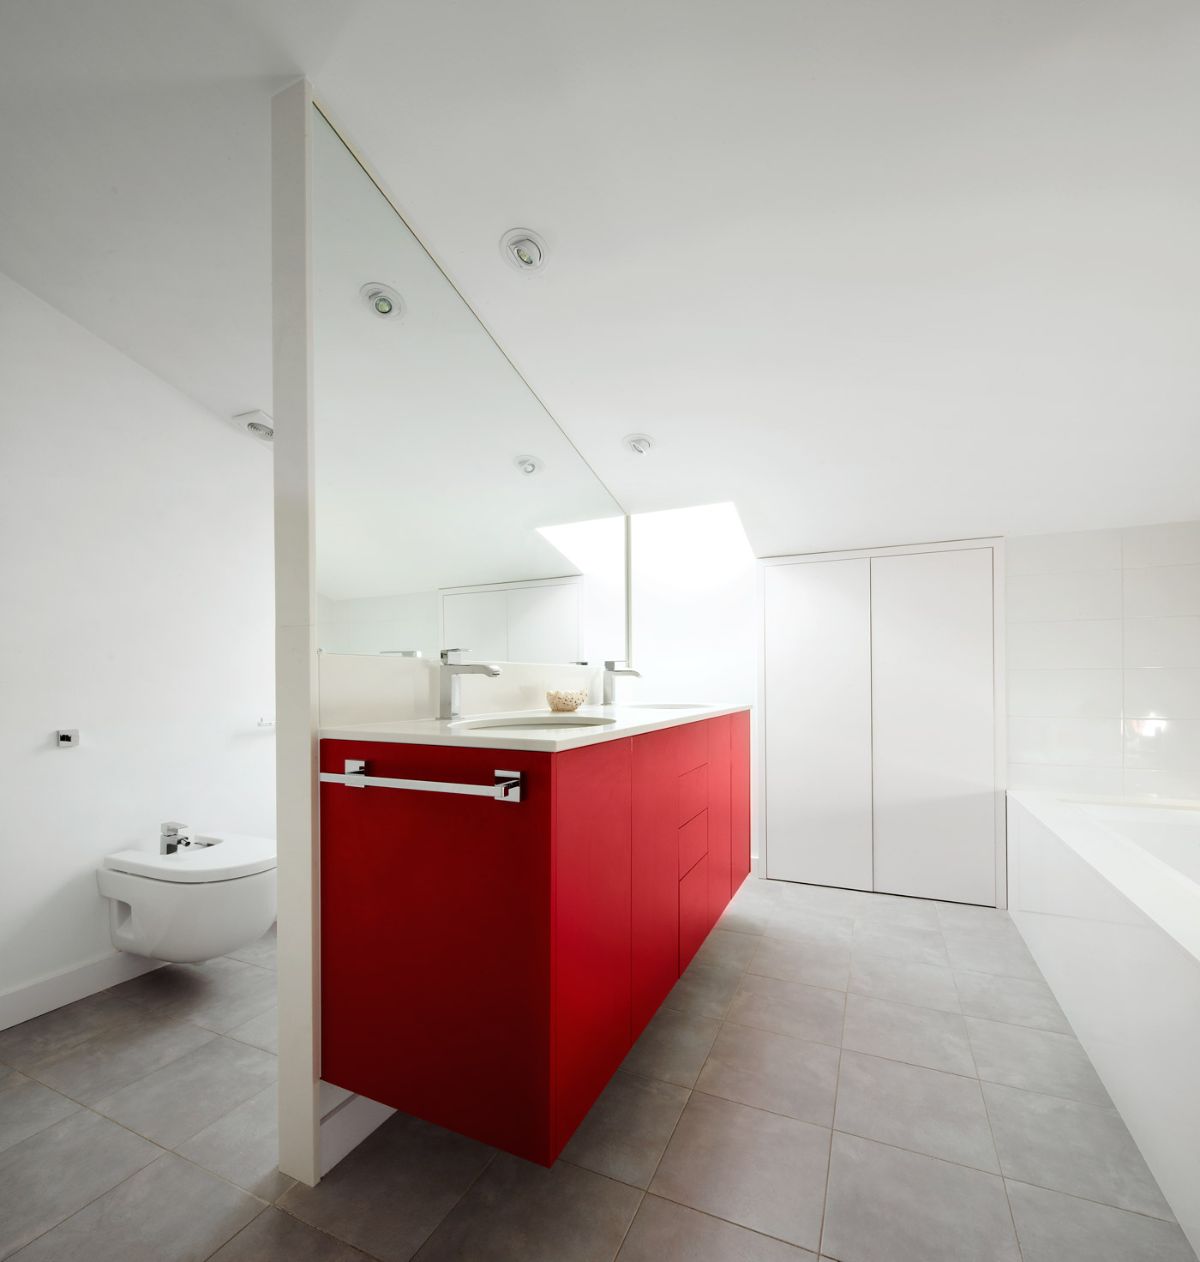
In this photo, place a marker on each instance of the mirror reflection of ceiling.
(420, 419)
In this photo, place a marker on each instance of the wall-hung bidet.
(199, 897)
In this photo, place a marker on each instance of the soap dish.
(564, 701)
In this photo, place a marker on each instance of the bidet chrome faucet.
(172, 835)
(449, 680)
(610, 681)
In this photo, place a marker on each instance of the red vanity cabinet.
(487, 965)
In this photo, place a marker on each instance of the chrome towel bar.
(506, 785)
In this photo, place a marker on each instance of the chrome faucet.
(610, 680)
(172, 835)
(449, 677)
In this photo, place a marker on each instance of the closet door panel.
(818, 722)
(934, 724)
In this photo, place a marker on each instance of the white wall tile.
(1094, 694)
(1048, 554)
(1162, 744)
(1177, 543)
(1162, 642)
(1163, 591)
(1067, 742)
(1170, 693)
(1064, 645)
(1162, 784)
(1069, 595)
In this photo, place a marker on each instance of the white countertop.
(627, 720)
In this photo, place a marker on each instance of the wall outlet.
(66, 737)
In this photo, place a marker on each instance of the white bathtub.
(1106, 892)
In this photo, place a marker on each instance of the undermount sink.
(532, 720)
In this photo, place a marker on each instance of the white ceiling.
(877, 272)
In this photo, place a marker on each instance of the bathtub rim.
(1162, 893)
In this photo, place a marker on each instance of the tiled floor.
(838, 1075)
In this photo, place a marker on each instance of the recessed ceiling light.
(257, 424)
(639, 444)
(524, 250)
(528, 464)
(382, 300)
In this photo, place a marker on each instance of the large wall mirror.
(452, 512)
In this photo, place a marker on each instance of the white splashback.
(1104, 661)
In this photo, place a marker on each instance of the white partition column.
(295, 638)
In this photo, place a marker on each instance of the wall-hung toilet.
(206, 898)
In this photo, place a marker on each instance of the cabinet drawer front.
(693, 793)
(691, 746)
(693, 912)
(693, 842)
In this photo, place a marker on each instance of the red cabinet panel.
(435, 941)
(693, 842)
(739, 748)
(591, 925)
(487, 965)
(693, 793)
(719, 816)
(693, 912)
(655, 863)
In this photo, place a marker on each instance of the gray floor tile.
(704, 990)
(1056, 1228)
(627, 1129)
(919, 1036)
(773, 1072)
(827, 900)
(218, 994)
(1014, 1000)
(760, 1170)
(799, 923)
(56, 1033)
(1069, 1147)
(174, 1102)
(27, 1107)
(672, 1048)
(519, 1212)
(243, 1146)
(10, 1077)
(903, 981)
(747, 914)
(52, 1174)
(888, 1205)
(114, 1059)
(971, 919)
(816, 965)
(918, 913)
(1002, 953)
(1038, 1060)
(924, 1110)
(792, 1008)
(393, 1189)
(170, 1209)
(274, 1236)
(262, 952)
(666, 1232)
(261, 1031)
(900, 942)
(727, 950)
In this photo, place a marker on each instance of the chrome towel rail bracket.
(505, 786)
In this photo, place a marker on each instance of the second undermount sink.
(532, 720)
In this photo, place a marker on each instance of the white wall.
(1104, 661)
(136, 567)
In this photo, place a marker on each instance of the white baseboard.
(347, 1125)
(47, 993)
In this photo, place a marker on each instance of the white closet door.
(477, 622)
(818, 722)
(543, 623)
(934, 754)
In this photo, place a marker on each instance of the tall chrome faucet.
(449, 677)
(610, 681)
